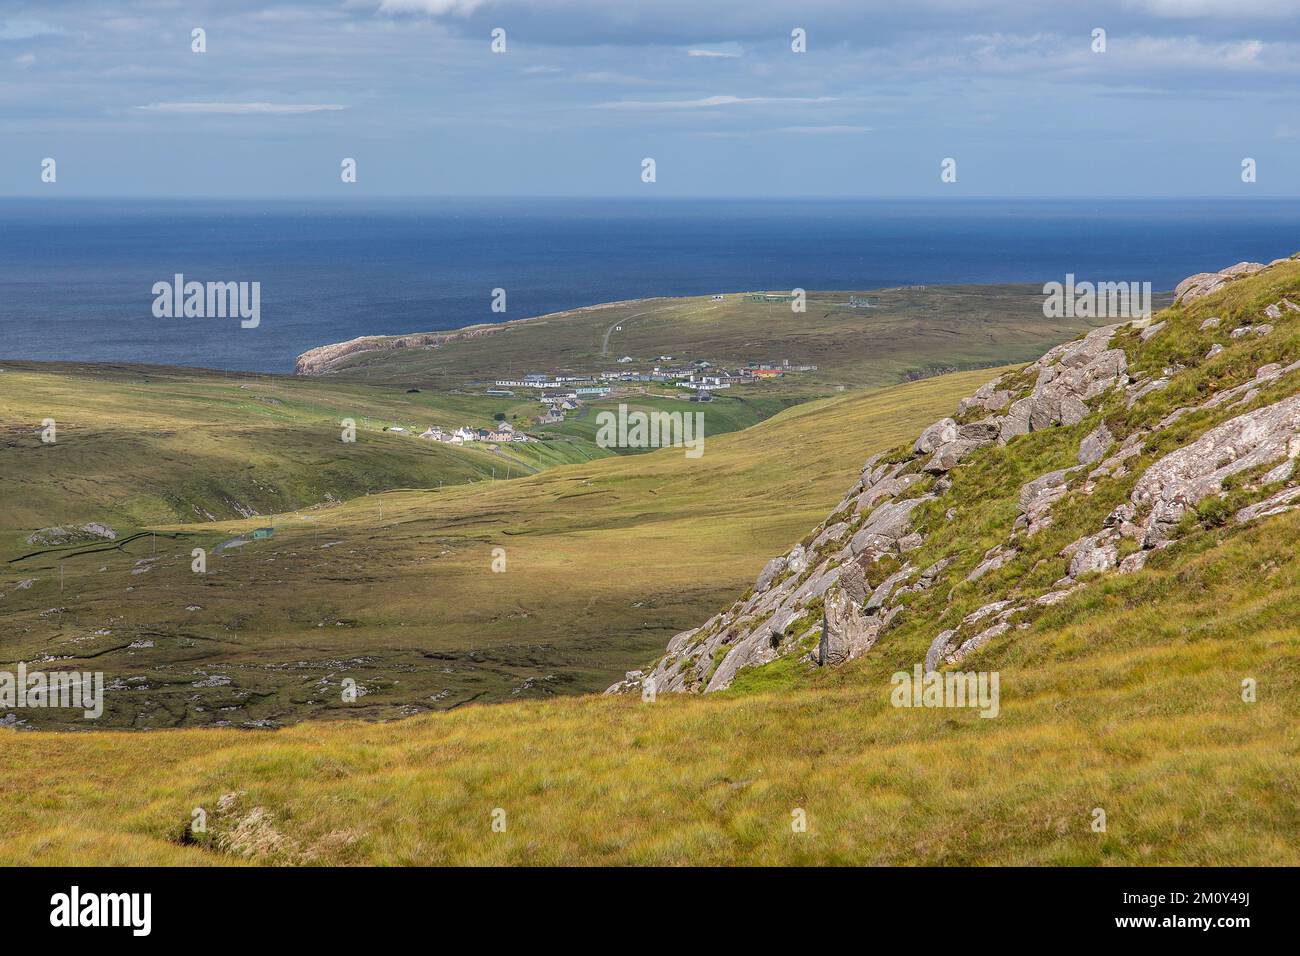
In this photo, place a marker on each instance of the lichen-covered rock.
(1094, 553)
(831, 534)
(1284, 500)
(770, 572)
(884, 526)
(1151, 331)
(940, 433)
(939, 648)
(1179, 480)
(1207, 283)
(846, 632)
(947, 456)
(993, 559)
(1095, 445)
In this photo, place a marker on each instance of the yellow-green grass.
(604, 562)
(1129, 702)
(909, 333)
(138, 444)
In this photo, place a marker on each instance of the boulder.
(881, 594)
(940, 433)
(771, 571)
(1096, 552)
(853, 580)
(846, 632)
(1207, 283)
(1282, 501)
(1151, 331)
(1016, 421)
(885, 488)
(978, 641)
(1037, 495)
(884, 526)
(947, 456)
(1095, 445)
(833, 533)
(984, 430)
(993, 559)
(939, 648)
(1185, 476)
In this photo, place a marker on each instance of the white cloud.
(234, 109)
(711, 102)
(26, 29)
(437, 8)
(791, 131)
(723, 54)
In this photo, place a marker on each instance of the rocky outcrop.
(846, 631)
(1207, 283)
(840, 595)
(65, 535)
(1181, 479)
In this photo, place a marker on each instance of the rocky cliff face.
(1155, 428)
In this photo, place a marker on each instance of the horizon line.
(399, 197)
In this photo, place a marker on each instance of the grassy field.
(1125, 698)
(907, 333)
(138, 445)
(1129, 702)
(604, 562)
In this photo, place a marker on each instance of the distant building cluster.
(563, 393)
(503, 432)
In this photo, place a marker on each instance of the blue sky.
(710, 89)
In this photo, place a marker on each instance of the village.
(700, 376)
(562, 393)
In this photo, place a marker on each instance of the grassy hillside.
(139, 444)
(604, 562)
(1129, 702)
(907, 333)
(1124, 695)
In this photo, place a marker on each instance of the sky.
(1015, 92)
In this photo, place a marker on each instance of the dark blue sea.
(76, 275)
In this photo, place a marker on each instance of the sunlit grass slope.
(1131, 704)
(603, 563)
(139, 444)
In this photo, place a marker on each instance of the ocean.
(76, 276)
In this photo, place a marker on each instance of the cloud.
(712, 102)
(790, 131)
(1218, 9)
(25, 59)
(724, 54)
(26, 29)
(436, 8)
(237, 109)
(824, 130)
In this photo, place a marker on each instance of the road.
(604, 346)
